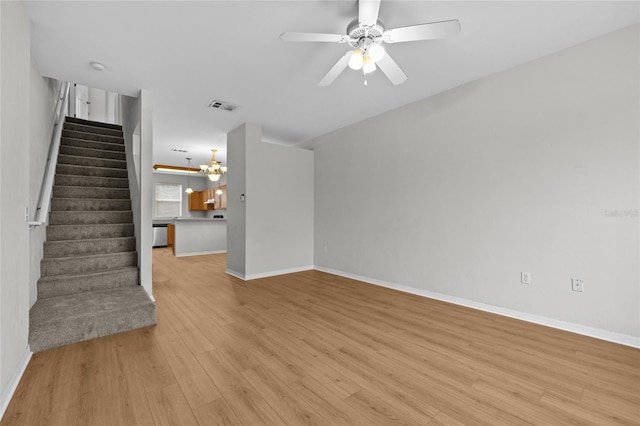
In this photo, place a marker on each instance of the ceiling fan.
(366, 35)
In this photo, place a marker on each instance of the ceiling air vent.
(178, 150)
(222, 105)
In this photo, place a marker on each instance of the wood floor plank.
(169, 407)
(313, 348)
(291, 408)
(216, 412)
(196, 386)
(247, 404)
(327, 403)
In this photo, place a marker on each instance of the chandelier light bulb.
(376, 52)
(369, 65)
(357, 59)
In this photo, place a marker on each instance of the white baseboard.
(12, 385)
(234, 273)
(610, 336)
(269, 273)
(200, 253)
(278, 272)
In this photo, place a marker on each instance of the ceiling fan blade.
(368, 12)
(428, 31)
(335, 71)
(328, 38)
(391, 70)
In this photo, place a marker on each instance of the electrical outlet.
(577, 284)
(525, 277)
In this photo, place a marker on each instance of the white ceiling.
(189, 53)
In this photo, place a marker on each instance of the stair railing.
(44, 199)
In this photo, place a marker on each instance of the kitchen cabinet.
(171, 232)
(198, 199)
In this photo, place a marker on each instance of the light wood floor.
(312, 348)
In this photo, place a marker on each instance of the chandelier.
(214, 170)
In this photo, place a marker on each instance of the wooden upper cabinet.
(195, 201)
(198, 199)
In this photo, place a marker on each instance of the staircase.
(89, 274)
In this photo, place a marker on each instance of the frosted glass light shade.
(357, 59)
(369, 65)
(376, 52)
(214, 177)
(188, 190)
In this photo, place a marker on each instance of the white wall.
(271, 232)
(137, 124)
(43, 96)
(533, 169)
(279, 209)
(15, 65)
(236, 208)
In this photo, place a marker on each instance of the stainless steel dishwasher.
(159, 235)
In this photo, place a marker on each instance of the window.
(168, 200)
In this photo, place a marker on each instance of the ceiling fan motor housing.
(359, 33)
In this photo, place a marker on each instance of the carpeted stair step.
(89, 275)
(91, 136)
(88, 247)
(86, 264)
(71, 204)
(92, 129)
(89, 232)
(70, 169)
(95, 181)
(89, 217)
(77, 160)
(91, 152)
(84, 192)
(92, 123)
(62, 320)
(60, 285)
(83, 143)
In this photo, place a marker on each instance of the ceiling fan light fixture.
(369, 65)
(376, 52)
(357, 59)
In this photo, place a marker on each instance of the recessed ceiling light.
(97, 66)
